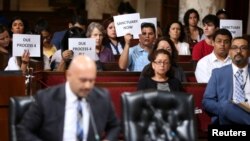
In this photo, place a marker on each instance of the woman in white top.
(176, 34)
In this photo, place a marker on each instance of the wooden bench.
(190, 76)
(184, 58)
(186, 66)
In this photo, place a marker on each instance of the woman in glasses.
(160, 74)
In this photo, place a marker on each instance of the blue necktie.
(239, 95)
(79, 128)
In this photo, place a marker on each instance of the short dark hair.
(150, 25)
(187, 14)
(78, 19)
(210, 18)
(221, 11)
(222, 31)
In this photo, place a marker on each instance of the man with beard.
(225, 92)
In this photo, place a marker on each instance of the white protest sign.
(234, 26)
(148, 20)
(82, 46)
(29, 42)
(128, 23)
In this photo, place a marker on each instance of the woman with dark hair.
(18, 26)
(160, 74)
(176, 33)
(167, 44)
(192, 30)
(4, 47)
(110, 40)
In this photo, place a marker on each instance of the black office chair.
(18, 106)
(158, 116)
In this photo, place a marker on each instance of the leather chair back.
(158, 116)
(18, 106)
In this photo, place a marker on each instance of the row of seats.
(118, 82)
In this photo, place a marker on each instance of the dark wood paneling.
(170, 12)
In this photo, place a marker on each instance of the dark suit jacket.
(45, 118)
(218, 96)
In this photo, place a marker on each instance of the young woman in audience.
(160, 74)
(193, 33)
(176, 33)
(18, 26)
(110, 40)
(4, 46)
(96, 31)
(167, 44)
(42, 28)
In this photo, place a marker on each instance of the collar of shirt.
(70, 95)
(214, 58)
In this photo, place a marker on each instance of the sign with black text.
(83, 46)
(234, 26)
(22, 42)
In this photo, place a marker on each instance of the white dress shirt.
(70, 117)
(183, 48)
(205, 66)
(246, 81)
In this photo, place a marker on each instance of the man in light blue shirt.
(135, 58)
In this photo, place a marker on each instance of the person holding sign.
(96, 31)
(135, 58)
(227, 95)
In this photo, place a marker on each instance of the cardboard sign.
(128, 23)
(29, 42)
(148, 20)
(234, 26)
(82, 46)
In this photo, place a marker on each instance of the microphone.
(92, 121)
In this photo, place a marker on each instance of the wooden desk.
(11, 85)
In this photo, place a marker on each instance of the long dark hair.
(182, 34)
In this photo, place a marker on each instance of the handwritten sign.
(29, 42)
(82, 46)
(234, 26)
(128, 23)
(148, 20)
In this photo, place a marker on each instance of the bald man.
(53, 115)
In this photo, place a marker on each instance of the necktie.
(79, 130)
(239, 87)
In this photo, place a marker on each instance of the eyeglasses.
(242, 48)
(161, 62)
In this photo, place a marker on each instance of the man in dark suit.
(53, 116)
(220, 99)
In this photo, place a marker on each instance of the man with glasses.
(135, 58)
(229, 88)
(218, 58)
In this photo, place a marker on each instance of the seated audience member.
(167, 44)
(67, 112)
(4, 47)
(62, 57)
(218, 58)
(160, 74)
(110, 40)
(222, 14)
(135, 58)
(176, 33)
(205, 47)
(193, 33)
(96, 31)
(18, 26)
(229, 88)
(19, 63)
(77, 21)
(42, 28)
